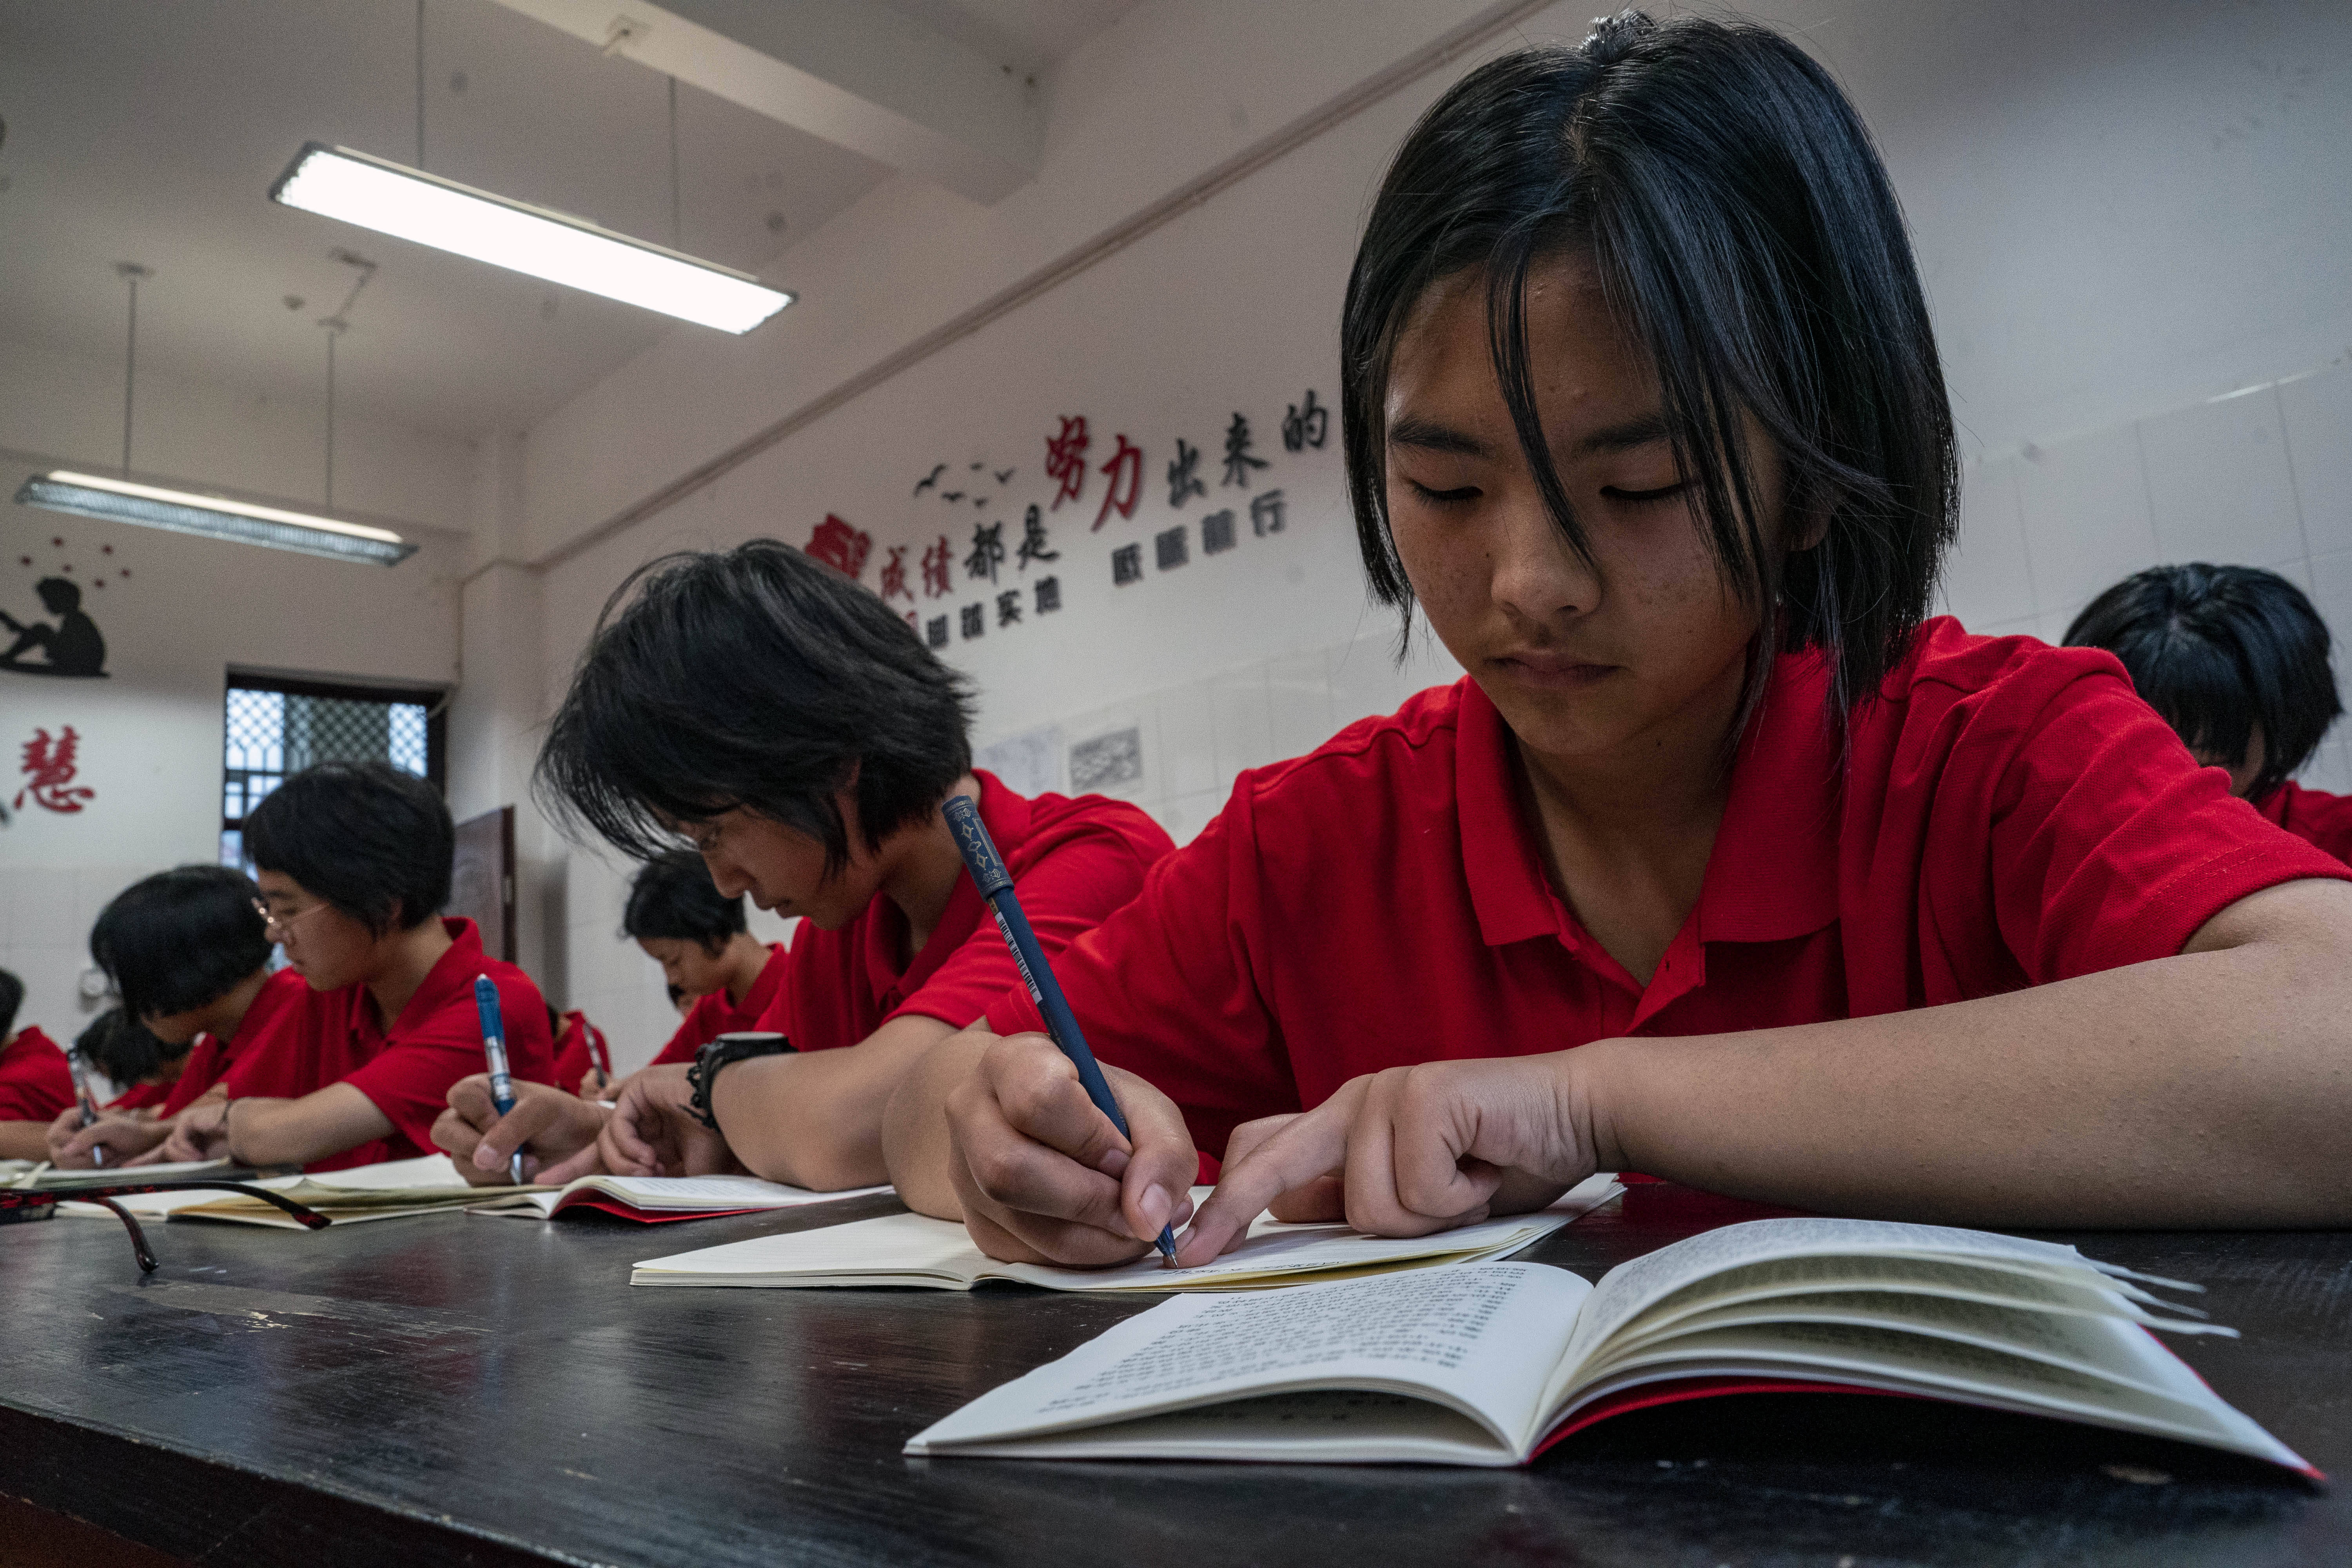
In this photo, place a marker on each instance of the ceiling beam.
(858, 75)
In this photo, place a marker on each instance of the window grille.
(272, 728)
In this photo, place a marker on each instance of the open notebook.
(428, 1184)
(1490, 1364)
(654, 1200)
(913, 1249)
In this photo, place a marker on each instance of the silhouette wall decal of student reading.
(72, 647)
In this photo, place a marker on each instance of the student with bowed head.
(703, 943)
(353, 866)
(36, 1082)
(186, 951)
(2237, 661)
(790, 726)
(1719, 864)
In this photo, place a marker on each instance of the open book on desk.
(1492, 1363)
(389, 1190)
(654, 1200)
(47, 1178)
(913, 1249)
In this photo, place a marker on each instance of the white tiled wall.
(2260, 478)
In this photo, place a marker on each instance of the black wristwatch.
(725, 1051)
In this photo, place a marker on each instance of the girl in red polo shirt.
(36, 1082)
(1642, 409)
(353, 862)
(705, 947)
(790, 725)
(186, 951)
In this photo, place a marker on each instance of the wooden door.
(482, 879)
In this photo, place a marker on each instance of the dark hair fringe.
(757, 679)
(12, 1000)
(121, 1048)
(374, 842)
(1742, 222)
(2218, 650)
(674, 897)
(179, 940)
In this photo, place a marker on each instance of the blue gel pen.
(494, 1047)
(995, 885)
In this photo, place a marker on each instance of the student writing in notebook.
(2237, 661)
(1722, 863)
(35, 1083)
(188, 952)
(796, 732)
(700, 938)
(353, 861)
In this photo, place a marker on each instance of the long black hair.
(180, 940)
(2217, 650)
(1745, 230)
(757, 679)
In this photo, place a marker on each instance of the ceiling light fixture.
(410, 205)
(212, 517)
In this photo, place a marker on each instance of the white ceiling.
(151, 132)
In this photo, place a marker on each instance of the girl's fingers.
(1307, 1148)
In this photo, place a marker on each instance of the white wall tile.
(2051, 624)
(1184, 816)
(1245, 725)
(2331, 592)
(1188, 739)
(1298, 701)
(2218, 484)
(2318, 415)
(2084, 505)
(1987, 577)
(1365, 679)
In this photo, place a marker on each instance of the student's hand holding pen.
(124, 1138)
(555, 1132)
(651, 1134)
(1414, 1150)
(1042, 1175)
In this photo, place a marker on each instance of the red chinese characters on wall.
(1126, 471)
(50, 768)
(1066, 459)
(840, 546)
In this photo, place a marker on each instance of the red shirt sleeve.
(1070, 885)
(2110, 846)
(704, 1022)
(1170, 988)
(35, 1083)
(409, 1078)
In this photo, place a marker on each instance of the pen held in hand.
(995, 885)
(494, 1047)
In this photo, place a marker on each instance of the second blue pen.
(995, 885)
(494, 1047)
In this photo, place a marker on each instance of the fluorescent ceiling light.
(182, 511)
(409, 204)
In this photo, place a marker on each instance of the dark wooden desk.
(462, 1389)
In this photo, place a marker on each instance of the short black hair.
(2217, 650)
(11, 997)
(673, 897)
(757, 679)
(121, 1047)
(179, 938)
(1744, 227)
(374, 842)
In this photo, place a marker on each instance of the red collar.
(448, 981)
(1006, 816)
(1773, 871)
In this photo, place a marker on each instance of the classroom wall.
(176, 612)
(2129, 220)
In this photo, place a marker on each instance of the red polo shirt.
(333, 1036)
(35, 1082)
(210, 1061)
(2011, 814)
(580, 1047)
(141, 1097)
(715, 1014)
(2313, 815)
(1073, 861)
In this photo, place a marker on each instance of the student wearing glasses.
(352, 859)
(789, 725)
(1722, 863)
(188, 952)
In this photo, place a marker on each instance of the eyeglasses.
(24, 1198)
(280, 923)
